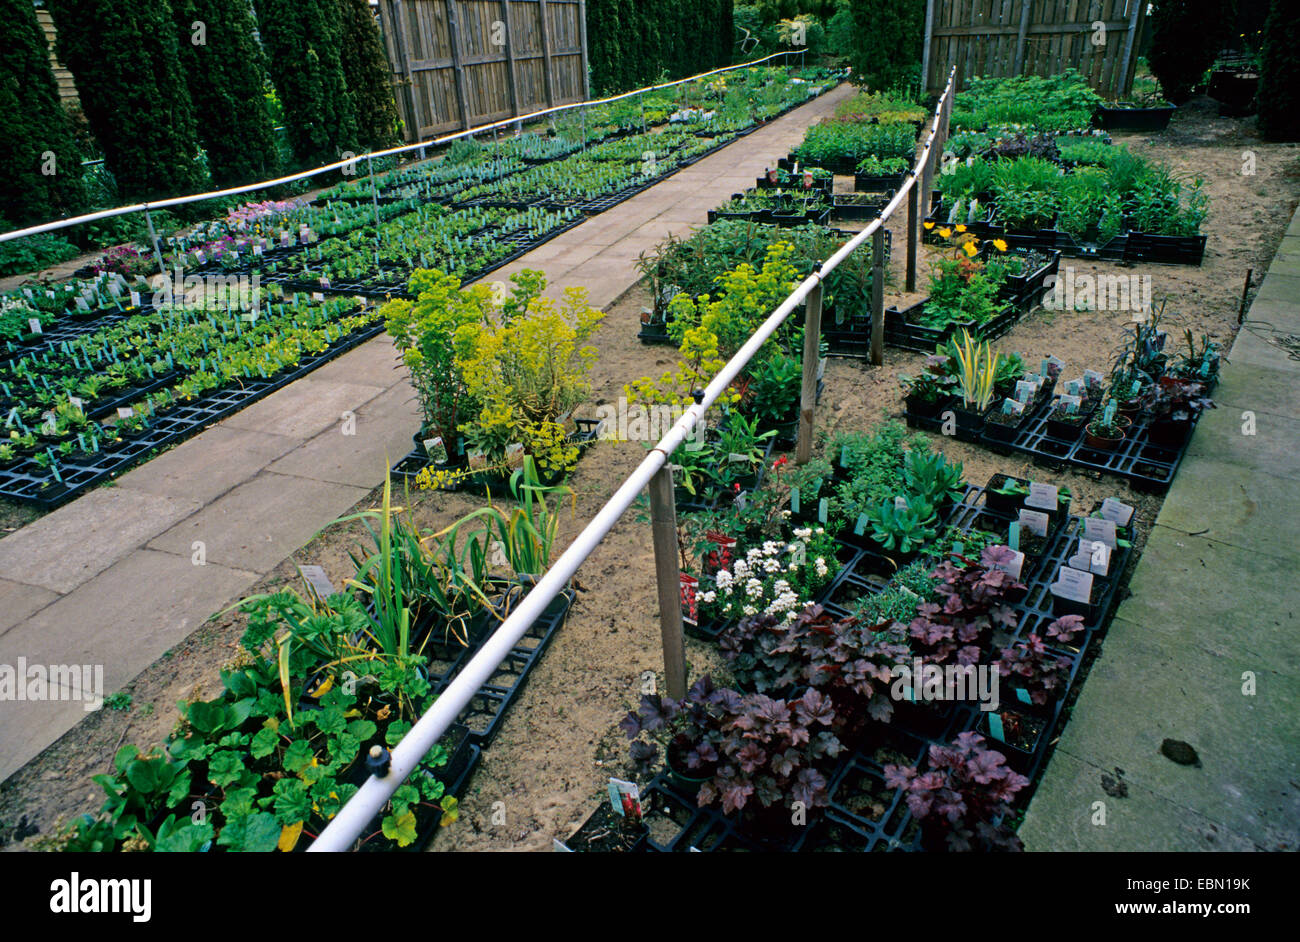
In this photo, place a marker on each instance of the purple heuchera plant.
(772, 751)
(964, 790)
(972, 602)
(851, 661)
(1029, 664)
(687, 728)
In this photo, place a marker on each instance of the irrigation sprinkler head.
(378, 761)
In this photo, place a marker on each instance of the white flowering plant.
(777, 578)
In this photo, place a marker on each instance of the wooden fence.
(1034, 37)
(458, 63)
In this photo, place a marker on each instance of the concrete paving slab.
(1226, 502)
(361, 459)
(1065, 816)
(1168, 598)
(1145, 690)
(65, 548)
(305, 408)
(375, 363)
(1282, 284)
(261, 522)
(27, 728)
(208, 465)
(1222, 434)
(1261, 389)
(1260, 344)
(19, 600)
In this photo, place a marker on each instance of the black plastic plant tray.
(1169, 250)
(455, 775)
(677, 824)
(65, 329)
(845, 786)
(598, 205)
(877, 183)
(28, 483)
(859, 212)
(1037, 605)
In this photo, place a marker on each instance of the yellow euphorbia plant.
(708, 332)
(526, 365)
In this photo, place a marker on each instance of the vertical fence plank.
(547, 64)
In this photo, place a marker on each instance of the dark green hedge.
(1279, 80)
(631, 42)
(302, 42)
(1186, 36)
(226, 78)
(368, 75)
(886, 42)
(32, 123)
(124, 57)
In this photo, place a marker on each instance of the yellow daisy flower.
(1000, 244)
(961, 228)
(929, 225)
(970, 249)
(946, 233)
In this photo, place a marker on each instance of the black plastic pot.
(1134, 119)
(1003, 503)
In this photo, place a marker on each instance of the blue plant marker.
(81, 440)
(995, 726)
(860, 527)
(794, 499)
(821, 510)
(1109, 415)
(958, 548)
(1013, 536)
(1022, 695)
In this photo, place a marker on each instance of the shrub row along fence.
(654, 473)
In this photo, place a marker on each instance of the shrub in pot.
(1173, 405)
(1103, 434)
(1039, 677)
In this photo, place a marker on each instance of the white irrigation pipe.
(369, 801)
(352, 161)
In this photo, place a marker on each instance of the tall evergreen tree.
(123, 54)
(1186, 36)
(225, 73)
(1279, 80)
(368, 75)
(301, 38)
(39, 159)
(889, 35)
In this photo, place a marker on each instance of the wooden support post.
(1020, 37)
(925, 48)
(457, 64)
(663, 524)
(547, 64)
(1124, 84)
(878, 297)
(392, 13)
(153, 240)
(512, 80)
(912, 238)
(582, 35)
(812, 337)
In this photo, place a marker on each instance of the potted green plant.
(1103, 432)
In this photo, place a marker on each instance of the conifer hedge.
(225, 73)
(368, 75)
(302, 42)
(124, 57)
(33, 125)
(630, 42)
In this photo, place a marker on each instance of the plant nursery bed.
(29, 483)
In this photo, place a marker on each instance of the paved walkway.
(1215, 609)
(110, 578)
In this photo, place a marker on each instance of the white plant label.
(1092, 556)
(1099, 530)
(1116, 510)
(35, 325)
(1034, 521)
(125, 412)
(135, 299)
(1013, 566)
(1073, 584)
(75, 402)
(319, 582)
(1042, 496)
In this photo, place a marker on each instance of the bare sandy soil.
(560, 742)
